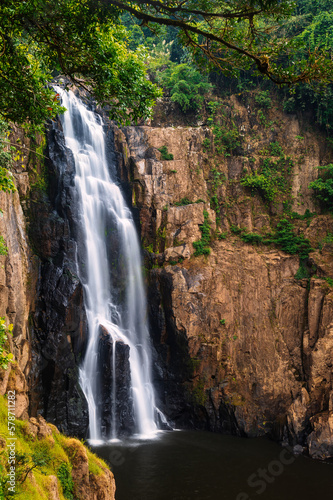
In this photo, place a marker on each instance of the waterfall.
(115, 299)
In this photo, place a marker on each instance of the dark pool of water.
(190, 465)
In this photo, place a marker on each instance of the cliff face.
(42, 298)
(242, 345)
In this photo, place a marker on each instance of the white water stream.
(100, 200)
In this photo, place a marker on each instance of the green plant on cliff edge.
(3, 248)
(323, 187)
(5, 356)
(202, 246)
(164, 152)
(272, 178)
(6, 160)
(65, 478)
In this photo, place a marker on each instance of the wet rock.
(59, 328)
(113, 363)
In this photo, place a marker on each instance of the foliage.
(286, 238)
(235, 229)
(66, 481)
(226, 135)
(252, 238)
(164, 152)
(302, 272)
(222, 321)
(202, 246)
(283, 237)
(275, 149)
(272, 179)
(183, 201)
(323, 187)
(187, 86)
(3, 248)
(306, 216)
(226, 139)
(43, 455)
(83, 42)
(6, 179)
(260, 183)
(236, 35)
(5, 356)
(263, 99)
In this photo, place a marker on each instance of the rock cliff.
(242, 345)
(42, 298)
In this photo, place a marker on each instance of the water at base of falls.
(116, 373)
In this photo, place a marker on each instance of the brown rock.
(53, 488)
(320, 441)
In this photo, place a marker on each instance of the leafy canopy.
(238, 34)
(81, 40)
(187, 86)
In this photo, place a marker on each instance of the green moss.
(199, 393)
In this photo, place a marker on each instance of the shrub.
(202, 246)
(323, 187)
(263, 99)
(272, 178)
(302, 272)
(260, 183)
(65, 478)
(164, 152)
(290, 242)
(235, 229)
(252, 238)
(182, 202)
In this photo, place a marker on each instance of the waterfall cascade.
(114, 293)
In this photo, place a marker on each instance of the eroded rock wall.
(241, 345)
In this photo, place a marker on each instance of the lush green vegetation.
(164, 153)
(323, 187)
(186, 85)
(237, 35)
(272, 177)
(3, 248)
(182, 202)
(66, 481)
(37, 459)
(202, 246)
(5, 355)
(284, 237)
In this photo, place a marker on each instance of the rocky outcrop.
(240, 345)
(18, 276)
